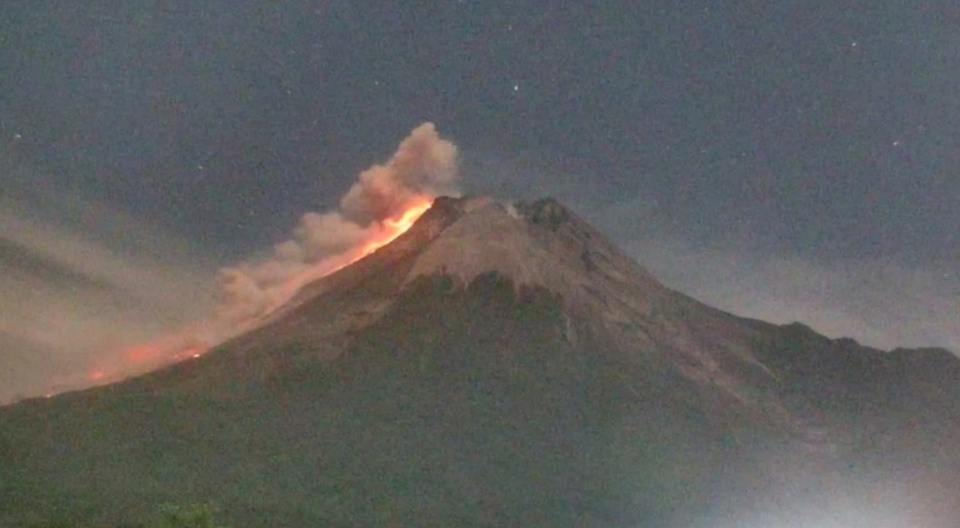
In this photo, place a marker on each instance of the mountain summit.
(504, 365)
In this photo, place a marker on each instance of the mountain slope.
(504, 366)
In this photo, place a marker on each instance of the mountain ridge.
(504, 365)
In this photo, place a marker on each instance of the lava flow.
(183, 346)
(387, 231)
(394, 227)
(147, 356)
(423, 167)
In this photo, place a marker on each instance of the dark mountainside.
(504, 366)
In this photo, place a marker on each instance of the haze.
(778, 162)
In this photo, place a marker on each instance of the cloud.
(80, 282)
(881, 303)
(423, 167)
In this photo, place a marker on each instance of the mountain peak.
(506, 359)
(540, 243)
(604, 296)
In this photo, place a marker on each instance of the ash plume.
(423, 167)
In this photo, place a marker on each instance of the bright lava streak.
(178, 347)
(394, 227)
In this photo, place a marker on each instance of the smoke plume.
(423, 167)
(79, 310)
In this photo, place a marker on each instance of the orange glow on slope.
(139, 354)
(172, 348)
(143, 357)
(390, 229)
(394, 227)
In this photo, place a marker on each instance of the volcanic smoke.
(373, 212)
(382, 204)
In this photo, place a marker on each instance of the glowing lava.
(186, 345)
(148, 356)
(394, 227)
(388, 231)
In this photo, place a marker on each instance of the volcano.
(503, 365)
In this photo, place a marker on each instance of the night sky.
(781, 160)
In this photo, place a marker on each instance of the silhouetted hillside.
(501, 366)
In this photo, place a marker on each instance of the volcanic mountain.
(504, 365)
